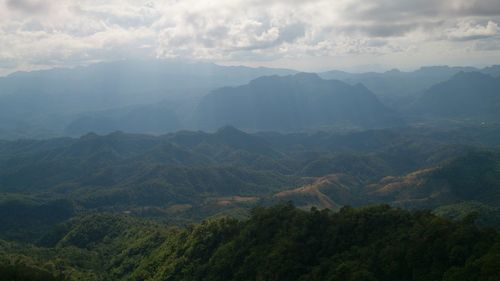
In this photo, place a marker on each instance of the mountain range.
(395, 87)
(162, 96)
(43, 103)
(191, 175)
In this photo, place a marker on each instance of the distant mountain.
(44, 103)
(112, 84)
(292, 103)
(492, 70)
(161, 96)
(398, 83)
(467, 95)
(396, 87)
(154, 119)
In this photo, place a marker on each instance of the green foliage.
(277, 243)
(24, 219)
(21, 272)
(476, 176)
(284, 243)
(193, 176)
(483, 214)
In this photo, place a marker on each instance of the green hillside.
(278, 243)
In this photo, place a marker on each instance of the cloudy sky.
(303, 34)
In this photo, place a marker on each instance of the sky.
(310, 35)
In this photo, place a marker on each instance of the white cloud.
(37, 33)
(470, 30)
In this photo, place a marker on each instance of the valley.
(291, 177)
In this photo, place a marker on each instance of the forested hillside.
(185, 167)
(189, 176)
(278, 243)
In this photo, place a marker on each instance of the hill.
(278, 243)
(473, 177)
(187, 176)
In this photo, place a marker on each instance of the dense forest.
(413, 203)
(276, 243)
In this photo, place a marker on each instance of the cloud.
(29, 6)
(483, 8)
(469, 30)
(488, 45)
(382, 29)
(404, 10)
(48, 33)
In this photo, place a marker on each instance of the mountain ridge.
(295, 102)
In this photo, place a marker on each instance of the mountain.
(154, 119)
(289, 103)
(396, 87)
(161, 96)
(467, 95)
(114, 95)
(110, 84)
(466, 184)
(493, 70)
(192, 175)
(456, 187)
(124, 169)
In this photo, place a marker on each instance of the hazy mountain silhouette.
(44, 103)
(466, 95)
(160, 96)
(396, 87)
(292, 103)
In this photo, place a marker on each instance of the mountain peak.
(306, 76)
(471, 75)
(471, 95)
(89, 136)
(291, 103)
(393, 71)
(229, 130)
(303, 77)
